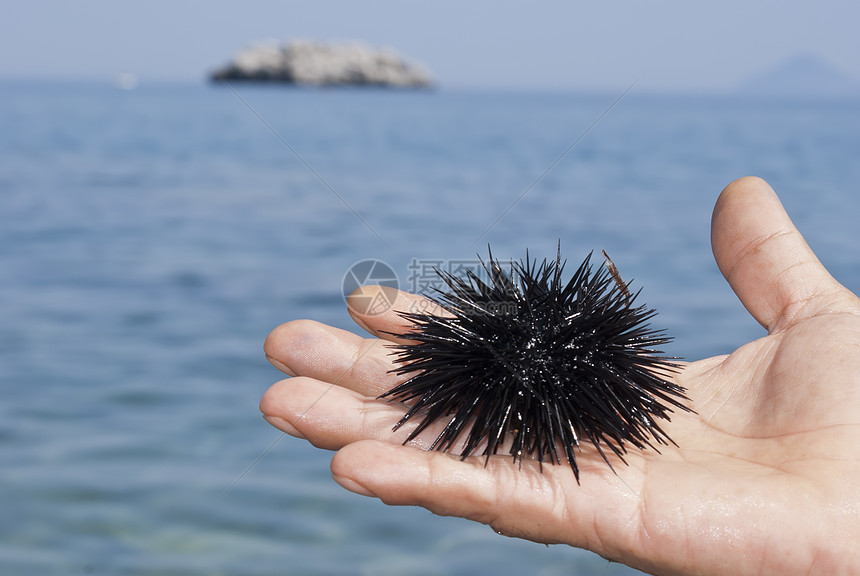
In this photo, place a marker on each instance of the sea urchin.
(529, 361)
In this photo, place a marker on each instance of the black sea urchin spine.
(529, 362)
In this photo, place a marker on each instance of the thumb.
(766, 260)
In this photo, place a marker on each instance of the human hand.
(764, 477)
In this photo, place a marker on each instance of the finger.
(544, 505)
(765, 259)
(309, 348)
(331, 417)
(383, 321)
(328, 416)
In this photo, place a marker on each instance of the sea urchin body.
(528, 362)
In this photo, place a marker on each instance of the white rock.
(312, 63)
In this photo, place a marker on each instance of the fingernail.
(353, 486)
(283, 425)
(280, 366)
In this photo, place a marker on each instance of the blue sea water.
(150, 239)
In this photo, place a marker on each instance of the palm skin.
(766, 475)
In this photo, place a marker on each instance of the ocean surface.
(150, 239)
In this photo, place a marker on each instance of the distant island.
(310, 63)
(803, 75)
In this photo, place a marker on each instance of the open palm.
(765, 476)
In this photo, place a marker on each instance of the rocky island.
(309, 63)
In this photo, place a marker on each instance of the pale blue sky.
(668, 45)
